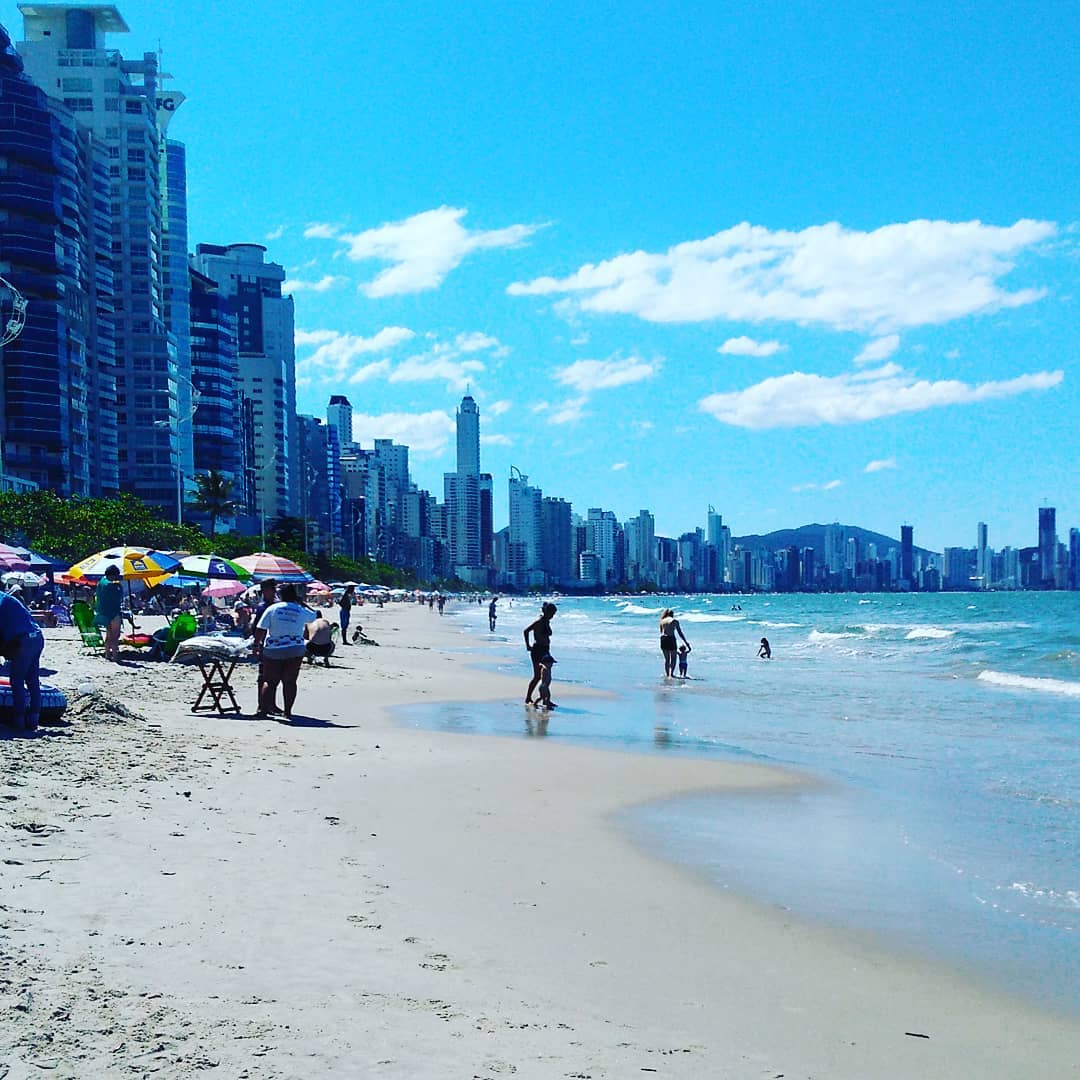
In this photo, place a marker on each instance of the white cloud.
(619, 466)
(832, 485)
(581, 339)
(745, 346)
(276, 234)
(829, 485)
(539, 407)
(421, 249)
(445, 360)
(321, 231)
(303, 338)
(915, 273)
(497, 408)
(336, 352)
(426, 434)
(879, 349)
(496, 440)
(801, 400)
(324, 284)
(589, 375)
(880, 464)
(377, 370)
(570, 411)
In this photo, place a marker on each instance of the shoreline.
(373, 899)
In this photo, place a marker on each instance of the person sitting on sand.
(684, 653)
(669, 627)
(279, 644)
(763, 649)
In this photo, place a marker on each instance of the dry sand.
(195, 895)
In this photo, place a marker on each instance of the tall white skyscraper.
(526, 531)
(339, 417)
(467, 492)
(468, 438)
(982, 562)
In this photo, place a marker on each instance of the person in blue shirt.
(22, 643)
(108, 604)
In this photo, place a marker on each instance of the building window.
(133, 106)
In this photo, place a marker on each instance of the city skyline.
(853, 235)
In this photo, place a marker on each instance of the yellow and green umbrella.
(134, 564)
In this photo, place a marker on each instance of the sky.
(800, 262)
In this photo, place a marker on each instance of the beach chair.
(167, 638)
(83, 618)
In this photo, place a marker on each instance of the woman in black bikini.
(669, 627)
(540, 647)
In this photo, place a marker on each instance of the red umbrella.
(263, 565)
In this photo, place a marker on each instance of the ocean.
(942, 732)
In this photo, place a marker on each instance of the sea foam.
(1027, 682)
(928, 632)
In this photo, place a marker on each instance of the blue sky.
(801, 262)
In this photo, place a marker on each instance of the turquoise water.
(944, 730)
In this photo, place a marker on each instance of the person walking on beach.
(280, 645)
(669, 627)
(545, 682)
(108, 603)
(763, 649)
(345, 606)
(492, 614)
(540, 646)
(22, 642)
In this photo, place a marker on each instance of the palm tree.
(214, 496)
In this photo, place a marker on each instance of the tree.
(214, 497)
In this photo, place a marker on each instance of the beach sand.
(188, 895)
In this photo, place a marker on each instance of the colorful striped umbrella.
(213, 566)
(134, 563)
(318, 587)
(224, 588)
(263, 565)
(12, 559)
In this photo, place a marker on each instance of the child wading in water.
(684, 653)
(545, 682)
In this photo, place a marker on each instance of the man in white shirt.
(280, 646)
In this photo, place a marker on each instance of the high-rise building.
(524, 553)
(640, 535)
(266, 364)
(907, 557)
(469, 528)
(1074, 558)
(982, 558)
(557, 546)
(1047, 546)
(55, 247)
(117, 100)
(339, 417)
(216, 423)
(604, 537)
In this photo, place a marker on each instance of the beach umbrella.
(263, 565)
(176, 581)
(224, 588)
(40, 564)
(22, 577)
(134, 563)
(319, 587)
(12, 559)
(213, 566)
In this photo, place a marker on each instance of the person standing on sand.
(22, 642)
(108, 603)
(492, 615)
(540, 647)
(345, 606)
(280, 645)
(669, 647)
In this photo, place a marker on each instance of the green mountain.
(813, 536)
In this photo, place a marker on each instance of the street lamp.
(196, 393)
(262, 501)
